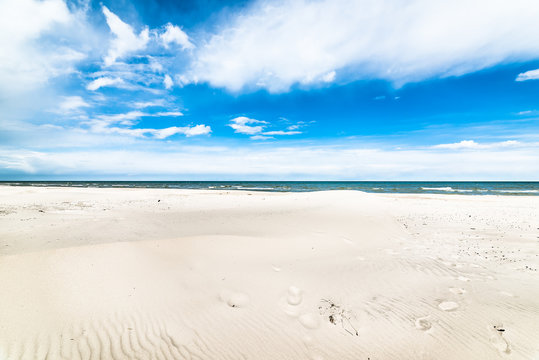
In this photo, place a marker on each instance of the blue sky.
(259, 90)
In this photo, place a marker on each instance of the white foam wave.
(528, 191)
(447, 188)
(253, 188)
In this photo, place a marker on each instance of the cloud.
(241, 125)
(275, 45)
(124, 119)
(123, 124)
(129, 117)
(529, 113)
(104, 128)
(528, 75)
(131, 77)
(167, 113)
(329, 77)
(290, 162)
(471, 144)
(187, 131)
(72, 104)
(281, 132)
(260, 137)
(142, 60)
(155, 66)
(173, 34)
(125, 40)
(102, 82)
(145, 104)
(28, 59)
(168, 82)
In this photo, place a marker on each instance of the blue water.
(409, 187)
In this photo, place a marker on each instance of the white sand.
(115, 273)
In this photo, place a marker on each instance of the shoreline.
(505, 188)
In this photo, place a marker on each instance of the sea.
(402, 187)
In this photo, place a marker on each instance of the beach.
(95, 273)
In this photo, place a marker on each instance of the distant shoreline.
(522, 188)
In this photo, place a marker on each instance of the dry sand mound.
(116, 274)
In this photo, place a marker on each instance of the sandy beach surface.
(185, 274)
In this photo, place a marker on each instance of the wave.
(528, 191)
(471, 188)
(449, 189)
(253, 188)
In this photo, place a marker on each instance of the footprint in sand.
(457, 291)
(310, 321)
(463, 278)
(423, 323)
(497, 339)
(294, 296)
(448, 305)
(291, 301)
(234, 299)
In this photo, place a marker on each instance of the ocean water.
(405, 187)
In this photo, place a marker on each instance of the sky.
(269, 90)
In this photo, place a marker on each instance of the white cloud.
(124, 119)
(528, 75)
(145, 104)
(329, 77)
(260, 137)
(150, 44)
(281, 132)
(187, 131)
(129, 117)
(241, 125)
(102, 82)
(173, 34)
(72, 104)
(108, 124)
(26, 61)
(274, 45)
(155, 65)
(290, 162)
(125, 40)
(183, 80)
(471, 144)
(168, 113)
(104, 128)
(168, 82)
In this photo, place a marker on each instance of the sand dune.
(163, 274)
